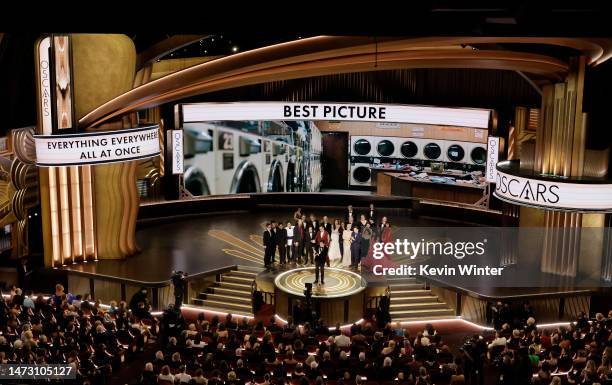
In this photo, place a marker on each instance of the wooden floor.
(208, 242)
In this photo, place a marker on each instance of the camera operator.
(474, 351)
(178, 282)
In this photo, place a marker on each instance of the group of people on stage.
(308, 240)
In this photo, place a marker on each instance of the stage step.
(405, 286)
(422, 305)
(413, 299)
(401, 281)
(231, 291)
(228, 298)
(236, 279)
(408, 313)
(235, 285)
(423, 318)
(226, 306)
(241, 273)
(197, 302)
(410, 293)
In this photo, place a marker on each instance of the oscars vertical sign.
(66, 196)
(492, 158)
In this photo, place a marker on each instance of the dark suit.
(298, 246)
(309, 244)
(281, 241)
(270, 246)
(314, 224)
(328, 227)
(274, 240)
(320, 260)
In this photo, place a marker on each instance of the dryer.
(386, 147)
(457, 152)
(362, 146)
(477, 154)
(434, 150)
(410, 148)
(360, 175)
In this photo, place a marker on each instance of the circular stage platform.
(342, 299)
(338, 282)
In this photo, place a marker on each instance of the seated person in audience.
(313, 371)
(182, 377)
(165, 375)
(298, 372)
(343, 340)
(198, 377)
(242, 372)
(148, 376)
(326, 365)
(289, 358)
(232, 379)
(387, 373)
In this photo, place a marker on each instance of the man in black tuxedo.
(281, 241)
(371, 216)
(326, 225)
(350, 214)
(380, 228)
(275, 240)
(312, 221)
(320, 260)
(269, 244)
(310, 243)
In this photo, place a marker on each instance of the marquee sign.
(97, 147)
(556, 195)
(390, 113)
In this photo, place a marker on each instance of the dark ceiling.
(227, 33)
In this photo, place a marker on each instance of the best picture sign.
(382, 113)
(96, 148)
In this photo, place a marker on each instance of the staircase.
(231, 293)
(410, 301)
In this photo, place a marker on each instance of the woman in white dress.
(346, 239)
(334, 245)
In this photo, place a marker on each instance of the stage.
(211, 247)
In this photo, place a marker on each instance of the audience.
(98, 340)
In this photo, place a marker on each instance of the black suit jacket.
(328, 227)
(322, 256)
(281, 237)
(308, 237)
(268, 239)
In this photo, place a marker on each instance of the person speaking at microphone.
(320, 261)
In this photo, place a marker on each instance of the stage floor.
(209, 242)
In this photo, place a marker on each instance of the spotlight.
(234, 49)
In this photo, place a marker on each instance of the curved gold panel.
(326, 55)
(23, 145)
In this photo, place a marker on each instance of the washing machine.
(477, 155)
(434, 150)
(360, 175)
(386, 147)
(363, 146)
(457, 152)
(410, 148)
